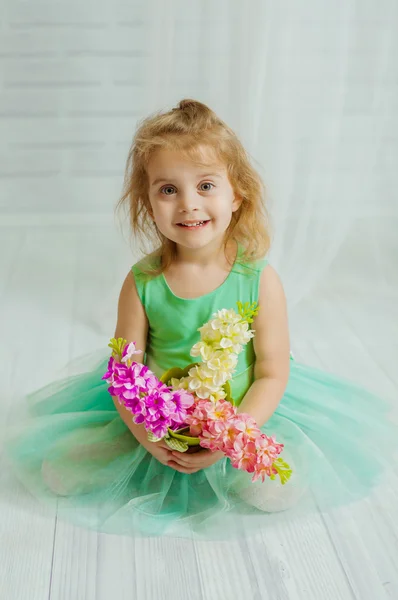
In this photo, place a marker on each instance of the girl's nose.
(188, 202)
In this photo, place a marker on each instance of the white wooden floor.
(50, 280)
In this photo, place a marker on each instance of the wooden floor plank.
(32, 309)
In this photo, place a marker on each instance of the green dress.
(77, 453)
(174, 321)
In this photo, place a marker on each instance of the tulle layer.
(77, 452)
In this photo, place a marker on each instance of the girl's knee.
(53, 480)
(272, 496)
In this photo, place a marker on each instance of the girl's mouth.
(193, 224)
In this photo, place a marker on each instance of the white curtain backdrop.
(310, 87)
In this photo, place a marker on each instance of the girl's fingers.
(182, 469)
(192, 458)
(185, 461)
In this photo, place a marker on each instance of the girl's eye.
(206, 186)
(168, 190)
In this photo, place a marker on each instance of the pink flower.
(243, 455)
(262, 471)
(208, 440)
(159, 404)
(268, 446)
(138, 409)
(247, 425)
(222, 409)
(108, 376)
(195, 428)
(229, 436)
(150, 401)
(210, 417)
(182, 402)
(220, 427)
(158, 425)
(151, 381)
(197, 419)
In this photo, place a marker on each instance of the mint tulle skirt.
(76, 453)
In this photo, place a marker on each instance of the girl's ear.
(150, 211)
(237, 201)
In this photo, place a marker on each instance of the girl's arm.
(272, 349)
(132, 325)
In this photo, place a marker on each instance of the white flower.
(202, 349)
(225, 316)
(179, 384)
(204, 378)
(226, 343)
(209, 334)
(221, 377)
(131, 350)
(228, 332)
(224, 361)
(222, 339)
(237, 336)
(202, 381)
(216, 396)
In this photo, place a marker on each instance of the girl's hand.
(191, 463)
(159, 450)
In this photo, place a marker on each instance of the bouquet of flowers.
(193, 406)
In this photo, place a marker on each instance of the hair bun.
(192, 107)
(187, 103)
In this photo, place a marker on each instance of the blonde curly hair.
(187, 128)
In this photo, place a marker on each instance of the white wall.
(310, 86)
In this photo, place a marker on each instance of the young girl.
(190, 185)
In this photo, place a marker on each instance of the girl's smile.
(193, 225)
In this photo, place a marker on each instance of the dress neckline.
(217, 289)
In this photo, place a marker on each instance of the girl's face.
(191, 205)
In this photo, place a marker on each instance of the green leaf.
(185, 439)
(247, 311)
(284, 470)
(152, 437)
(117, 346)
(177, 373)
(176, 445)
(228, 392)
